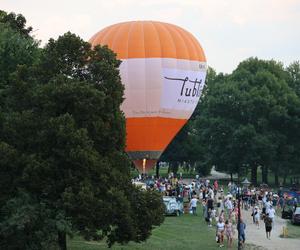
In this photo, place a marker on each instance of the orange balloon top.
(149, 39)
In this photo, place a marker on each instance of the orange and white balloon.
(163, 69)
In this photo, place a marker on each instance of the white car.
(140, 184)
(173, 206)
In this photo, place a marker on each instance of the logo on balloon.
(187, 90)
(182, 89)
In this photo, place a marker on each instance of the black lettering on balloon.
(186, 89)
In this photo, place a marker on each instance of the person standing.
(220, 205)
(241, 227)
(193, 205)
(229, 232)
(208, 217)
(216, 187)
(256, 216)
(220, 232)
(252, 214)
(210, 203)
(268, 205)
(268, 226)
(229, 206)
(272, 214)
(222, 216)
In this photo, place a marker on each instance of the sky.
(229, 31)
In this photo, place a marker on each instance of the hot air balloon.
(163, 69)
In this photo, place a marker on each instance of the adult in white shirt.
(229, 206)
(193, 205)
(256, 216)
(272, 214)
(268, 205)
(211, 193)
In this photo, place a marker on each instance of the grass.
(184, 232)
(293, 230)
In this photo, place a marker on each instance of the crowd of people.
(220, 208)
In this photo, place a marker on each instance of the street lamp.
(239, 218)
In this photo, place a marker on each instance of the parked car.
(173, 206)
(140, 184)
(287, 211)
(296, 216)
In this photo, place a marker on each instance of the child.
(229, 232)
(220, 232)
(268, 226)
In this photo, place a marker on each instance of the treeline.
(245, 120)
(63, 169)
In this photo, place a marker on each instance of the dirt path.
(257, 237)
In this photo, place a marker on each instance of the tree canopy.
(63, 168)
(245, 120)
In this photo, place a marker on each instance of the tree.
(15, 22)
(187, 148)
(240, 117)
(62, 139)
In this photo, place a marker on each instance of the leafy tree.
(186, 148)
(15, 22)
(240, 117)
(62, 139)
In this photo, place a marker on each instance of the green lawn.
(184, 232)
(293, 230)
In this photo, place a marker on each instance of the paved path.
(258, 236)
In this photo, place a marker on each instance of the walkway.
(258, 236)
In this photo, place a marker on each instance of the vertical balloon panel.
(163, 69)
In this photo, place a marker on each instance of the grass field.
(184, 232)
(293, 230)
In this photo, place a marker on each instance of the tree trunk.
(62, 241)
(264, 173)
(254, 175)
(231, 177)
(276, 177)
(284, 179)
(157, 169)
(175, 167)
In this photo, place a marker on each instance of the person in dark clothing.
(210, 203)
(268, 226)
(241, 229)
(208, 217)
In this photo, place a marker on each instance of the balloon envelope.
(163, 69)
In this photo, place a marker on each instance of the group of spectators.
(220, 208)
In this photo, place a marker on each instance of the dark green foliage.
(186, 148)
(15, 22)
(249, 119)
(28, 224)
(244, 120)
(62, 137)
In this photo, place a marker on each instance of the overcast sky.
(228, 30)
